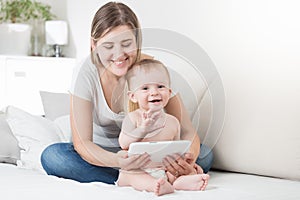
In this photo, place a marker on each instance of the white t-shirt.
(106, 124)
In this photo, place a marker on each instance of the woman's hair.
(144, 65)
(110, 16)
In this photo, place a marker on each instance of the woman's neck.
(113, 89)
(107, 77)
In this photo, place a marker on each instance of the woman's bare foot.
(163, 187)
(191, 182)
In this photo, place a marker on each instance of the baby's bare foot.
(163, 187)
(205, 178)
(191, 182)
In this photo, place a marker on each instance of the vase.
(37, 37)
(15, 39)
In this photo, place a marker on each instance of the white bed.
(18, 183)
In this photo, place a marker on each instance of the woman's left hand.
(177, 165)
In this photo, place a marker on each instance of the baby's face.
(151, 89)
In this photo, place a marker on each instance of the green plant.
(22, 11)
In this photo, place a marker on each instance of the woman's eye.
(108, 47)
(126, 44)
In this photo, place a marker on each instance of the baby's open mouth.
(155, 100)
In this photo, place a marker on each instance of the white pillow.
(261, 128)
(55, 104)
(34, 134)
(9, 149)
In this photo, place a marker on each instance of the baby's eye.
(161, 86)
(144, 88)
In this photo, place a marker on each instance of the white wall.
(254, 44)
(259, 37)
(58, 7)
(257, 31)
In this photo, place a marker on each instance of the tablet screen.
(159, 150)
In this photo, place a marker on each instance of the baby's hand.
(152, 120)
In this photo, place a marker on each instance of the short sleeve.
(84, 80)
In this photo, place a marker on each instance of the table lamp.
(56, 35)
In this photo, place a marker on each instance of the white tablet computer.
(159, 150)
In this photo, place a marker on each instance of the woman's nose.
(118, 51)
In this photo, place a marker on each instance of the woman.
(97, 102)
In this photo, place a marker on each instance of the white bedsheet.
(18, 183)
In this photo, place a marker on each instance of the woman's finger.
(198, 169)
(143, 161)
(171, 164)
(139, 161)
(188, 168)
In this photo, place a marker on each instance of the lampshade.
(56, 32)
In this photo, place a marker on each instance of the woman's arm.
(82, 134)
(177, 165)
(176, 108)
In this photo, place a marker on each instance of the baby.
(149, 92)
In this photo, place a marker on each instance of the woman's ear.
(131, 96)
(93, 44)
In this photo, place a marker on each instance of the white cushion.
(34, 134)
(9, 149)
(261, 127)
(55, 104)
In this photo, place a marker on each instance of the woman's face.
(117, 50)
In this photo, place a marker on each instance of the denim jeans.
(62, 160)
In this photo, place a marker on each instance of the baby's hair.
(146, 65)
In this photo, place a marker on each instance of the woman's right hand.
(134, 161)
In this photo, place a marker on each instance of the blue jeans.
(62, 160)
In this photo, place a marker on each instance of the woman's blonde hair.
(145, 65)
(110, 16)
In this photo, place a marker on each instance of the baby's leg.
(191, 182)
(143, 181)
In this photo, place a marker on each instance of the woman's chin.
(120, 72)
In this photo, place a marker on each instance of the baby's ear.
(131, 96)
